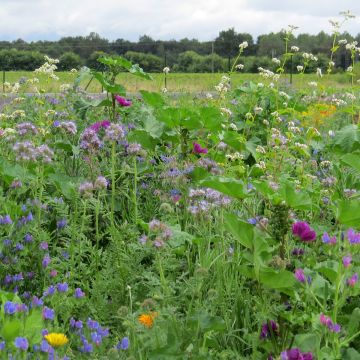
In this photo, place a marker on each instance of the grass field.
(176, 82)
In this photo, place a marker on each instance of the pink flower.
(197, 149)
(303, 231)
(122, 101)
(346, 261)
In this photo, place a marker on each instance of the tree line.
(185, 55)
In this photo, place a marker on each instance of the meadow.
(150, 227)
(176, 82)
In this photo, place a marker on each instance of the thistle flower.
(197, 149)
(346, 261)
(300, 275)
(295, 354)
(56, 339)
(302, 230)
(122, 101)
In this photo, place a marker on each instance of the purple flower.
(48, 314)
(353, 237)
(44, 245)
(96, 338)
(123, 344)
(87, 347)
(79, 293)
(346, 261)
(353, 280)
(295, 354)
(326, 239)
(299, 275)
(5, 220)
(122, 101)
(28, 238)
(2, 345)
(50, 290)
(21, 343)
(61, 223)
(268, 329)
(46, 261)
(92, 324)
(303, 231)
(35, 302)
(62, 287)
(10, 308)
(197, 149)
(298, 252)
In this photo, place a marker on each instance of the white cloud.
(165, 19)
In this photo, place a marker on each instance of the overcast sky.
(167, 19)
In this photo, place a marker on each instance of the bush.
(68, 61)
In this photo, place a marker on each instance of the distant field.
(176, 82)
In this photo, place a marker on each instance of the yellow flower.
(56, 339)
(147, 319)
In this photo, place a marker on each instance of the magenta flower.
(100, 125)
(197, 149)
(302, 230)
(295, 354)
(268, 329)
(122, 101)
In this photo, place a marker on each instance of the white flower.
(243, 45)
(239, 66)
(233, 127)
(349, 69)
(164, 90)
(74, 71)
(342, 42)
(319, 72)
(260, 85)
(331, 64)
(299, 68)
(166, 70)
(276, 61)
(260, 149)
(258, 110)
(312, 83)
(294, 49)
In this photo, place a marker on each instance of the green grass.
(176, 82)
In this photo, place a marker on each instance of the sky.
(33, 20)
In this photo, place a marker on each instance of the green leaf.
(11, 329)
(347, 139)
(329, 269)
(33, 326)
(307, 342)
(178, 237)
(111, 88)
(227, 186)
(152, 126)
(138, 71)
(242, 231)
(351, 354)
(152, 98)
(349, 213)
(352, 160)
(299, 200)
(277, 279)
(143, 138)
(212, 118)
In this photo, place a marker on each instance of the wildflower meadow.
(153, 227)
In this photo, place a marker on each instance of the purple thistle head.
(302, 230)
(326, 239)
(197, 149)
(353, 237)
(122, 101)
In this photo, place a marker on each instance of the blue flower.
(79, 293)
(123, 344)
(48, 314)
(10, 308)
(21, 343)
(62, 287)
